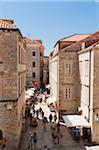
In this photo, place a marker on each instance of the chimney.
(83, 45)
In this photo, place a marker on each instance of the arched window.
(1, 135)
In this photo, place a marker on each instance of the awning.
(27, 97)
(29, 92)
(48, 86)
(75, 121)
(50, 100)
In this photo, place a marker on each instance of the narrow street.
(45, 136)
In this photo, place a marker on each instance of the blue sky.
(50, 21)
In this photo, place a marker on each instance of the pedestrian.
(3, 147)
(55, 118)
(44, 122)
(26, 113)
(25, 122)
(37, 112)
(54, 136)
(40, 109)
(45, 148)
(42, 114)
(34, 111)
(50, 117)
(41, 100)
(59, 136)
(35, 138)
(30, 137)
(58, 126)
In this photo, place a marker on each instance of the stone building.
(12, 83)
(34, 53)
(73, 74)
(45, 69)
(89, 82)
(63, 74)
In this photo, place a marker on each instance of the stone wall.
(8, 124)
(30, 59)
(68, 81)
(95, 117)
(12, 92)
(8, 48)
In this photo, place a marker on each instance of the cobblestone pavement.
(44, 138)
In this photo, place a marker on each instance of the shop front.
(79, 126)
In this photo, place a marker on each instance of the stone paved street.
(44, 138)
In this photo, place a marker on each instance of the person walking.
(34, 112)
(50, 117)
(30, 137)
(42, 114)
(37, 112)
(40, 109)
(55, 118)
(35, 138)
(58, 126)
(54, 136)
(44, 122)
(3, 147)
(59, 135)
(45, 148)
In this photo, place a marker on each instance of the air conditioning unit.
(97, 117)
(79, 109)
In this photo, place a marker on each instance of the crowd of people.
(39, 113)
(32, 138)
(56, 133)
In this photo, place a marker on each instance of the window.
(33, 64)
(33, 74)
(67, 93)
(86, 68)
(33, 53)
(69, 69)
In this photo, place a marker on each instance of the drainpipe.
(89, 82)
(58, 84)
(58, 88)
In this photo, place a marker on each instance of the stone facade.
(34, 53)
(45, 70)
(68, 82)
(63, 74)
(73, 75)
(12, 87)
(89, 70)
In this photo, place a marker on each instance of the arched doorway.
(1, 135)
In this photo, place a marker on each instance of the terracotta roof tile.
(93, 38)
(36, 42)
(7, 24)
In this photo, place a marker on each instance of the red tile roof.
(7, 24)
(93, 38)
(35, 42)
(72, 38)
